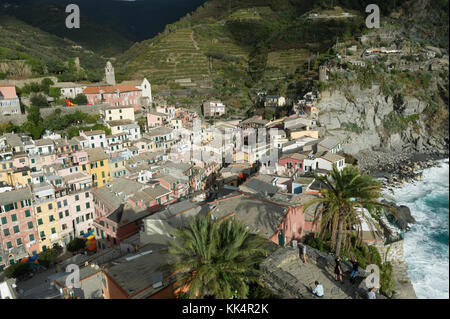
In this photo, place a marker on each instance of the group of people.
(338, 272)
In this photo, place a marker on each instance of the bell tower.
(110, 78)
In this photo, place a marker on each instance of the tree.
(76, 245)
(34, 115)
(38, 100)
(54, 92)
(48, 257)
(216, 259)
(17, 270)
(345, 191)
(80, 99)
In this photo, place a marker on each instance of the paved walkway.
(308, 273)
(37, 287)
(287, 275)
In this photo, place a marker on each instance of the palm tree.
(343, 193)
(216, 259)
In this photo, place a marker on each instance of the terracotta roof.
(8, 92)
(109, 89)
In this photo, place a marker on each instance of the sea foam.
(426, 245)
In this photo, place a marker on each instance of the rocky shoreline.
(393, 170)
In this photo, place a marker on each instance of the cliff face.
(359, 117)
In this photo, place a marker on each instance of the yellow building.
(98, 166)
(17, 177)
(47, 223)
(117, 113)
(6, 167)
(117, 167)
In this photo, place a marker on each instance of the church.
(134, 94)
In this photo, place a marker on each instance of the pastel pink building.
(75, 206)
(18, 224)
(21, 160)
(115, 95)
(155, 119)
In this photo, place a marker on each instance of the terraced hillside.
(236, 51)
(28, 51)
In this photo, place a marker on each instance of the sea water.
(426, 245)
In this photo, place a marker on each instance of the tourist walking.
(318, 290)
(303, 252)
(338, 269)
(371, 294)
(355, 269)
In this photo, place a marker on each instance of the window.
(83, 167)
(42, 236)
(53, 230)
(16, 229)
(66, 213)
(65, 202)
(59, 204)
(40, 221)
(31, 238)
(87, 216)
(38, 209)
(30, 225)
(14, 217)
(78, 208)
(19, 241)
(77, 197)
(27, 213)
(101, 162)
(4, 221)
(88, 205)
(9, 245)
(61, 215)
(86, 194)
(51, 218)
(64, 226)
(6, 232)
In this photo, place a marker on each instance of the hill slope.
(28, 51)
(237, 49)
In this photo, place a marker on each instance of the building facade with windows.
(18, 225)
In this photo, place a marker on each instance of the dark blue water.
(426, 245)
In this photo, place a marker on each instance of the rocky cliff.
(358, 118)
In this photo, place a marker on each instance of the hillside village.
(145, 167)
(131, 188)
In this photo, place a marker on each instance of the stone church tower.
(110, 78)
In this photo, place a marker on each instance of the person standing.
(371, 294)
(355, 269)
(303, 251)
(318, 290)
(338, 269)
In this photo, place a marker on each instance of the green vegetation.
(353, 127)
(345, 191)
(18, 271)
(395, 123)
(69, 124)
(48, 257)
(218, 259)
(26, 51)
(50, 17)
(76, 244)
(38, 100)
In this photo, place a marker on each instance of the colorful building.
(18, 224)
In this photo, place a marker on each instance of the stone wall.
(394, 250)
(21, 83)
(18, 119)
